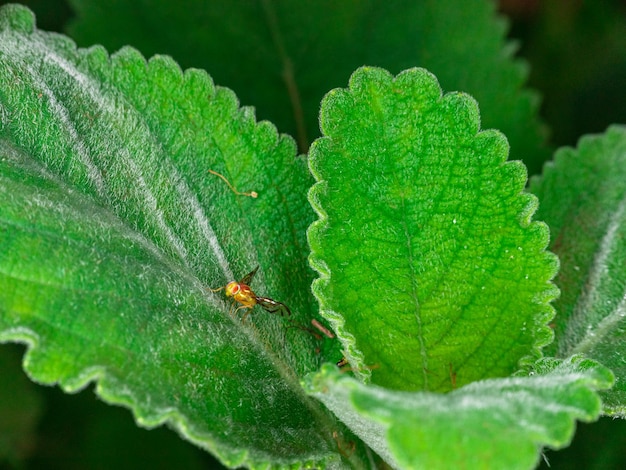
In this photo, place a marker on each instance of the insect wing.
(247, 279)
(272, 306)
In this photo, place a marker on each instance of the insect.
(242, 293)
(252, 194)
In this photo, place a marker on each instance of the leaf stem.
(288, 76)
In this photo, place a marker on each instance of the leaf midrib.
(585, 303)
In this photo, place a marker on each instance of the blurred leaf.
(498, 423)
(78, 431)
(578, 56)
(430, 267)
(583, 200)
(596, 446)
(282, 56)
(111, 229)
(20, 409)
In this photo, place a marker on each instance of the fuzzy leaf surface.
(111, 230)
(583, 200)
(430, 267)
(283, 56)
(496, 423)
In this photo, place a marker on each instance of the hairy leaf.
(283, 56)
(583, 200)
(431, 269)
(497, 423)
(112, 229)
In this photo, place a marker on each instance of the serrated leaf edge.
(98, 374)
(544, 309)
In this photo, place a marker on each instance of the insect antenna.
(251, 194)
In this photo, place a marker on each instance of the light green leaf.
(431, 269)
(583, 199)
(497, 423)
(111, 230)
(283, 56)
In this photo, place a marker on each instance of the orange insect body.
(242, 293)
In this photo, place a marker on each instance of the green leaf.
(283, 56)
(431, 270)
(82, 428)
(583, 201)
(497, 423)
(112, 229)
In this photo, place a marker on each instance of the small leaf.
(497, 423)
(583, 199)
(430, 267)
(112, 229)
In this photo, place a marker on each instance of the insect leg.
(247, 312)
(273, 306)
(322, 328)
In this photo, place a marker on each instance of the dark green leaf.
(283, 56)
(583, 199)
(20, 409)
(111, 230)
